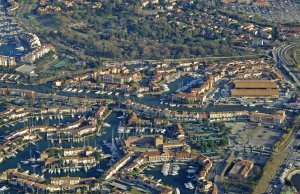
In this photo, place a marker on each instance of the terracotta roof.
(254, 92)
(255, 83)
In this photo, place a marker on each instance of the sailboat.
(120, 127)
(106, 125)
(37, 149)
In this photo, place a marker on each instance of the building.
(37, 53)
(7, 61)
(133, 120)
(180, 133)
(229, 115)
(27, 69)
(87, 151)
(166, 155)
(241, 169)
(191, 97)
(133, 142)
(89, 160)
(261, 3)
(101, 111)
(31, 40)
(255, 88)
(70, 180)
(264, 118)
(117, 166)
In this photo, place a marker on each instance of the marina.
(149, 97)
(177, 181)
(31, 152)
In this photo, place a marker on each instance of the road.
(291, 73)
(119, 62)
(288, 70)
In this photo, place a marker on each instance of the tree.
(134, 190)
(97, 156)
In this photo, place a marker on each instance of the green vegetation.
(245, 185)
(133, 190)
(270, 170)
(239, 185)
(283, 140)
(293, 55)
(296, 56)
(124, 30)
(54, 152)
(207, 138)
(97, 156)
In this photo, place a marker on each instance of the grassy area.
(228, 163)
(207, 139)
(45, 60)
(296, 56)
(270, 170)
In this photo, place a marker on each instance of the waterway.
(152, 101)
(296, 181)
(149, 100)
(8, 50)
(43, 144)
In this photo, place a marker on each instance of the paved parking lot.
(253, 142)
(251, 134)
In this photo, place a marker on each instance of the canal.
(173, 181)
(97, 141)
(149, 100)
(32, 150)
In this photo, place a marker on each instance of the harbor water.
(296, 181)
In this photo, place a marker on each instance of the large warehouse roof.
(255, 92)
(255, 83)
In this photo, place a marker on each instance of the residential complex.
(149, 96)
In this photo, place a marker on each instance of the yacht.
(176, 167)
(172, 105)
(19, 47)
(191, 186)
(25, 162)
(140, 95)
(106, 125)
(186, 185)
(191, 171)
(252, 105)
(4, 188)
